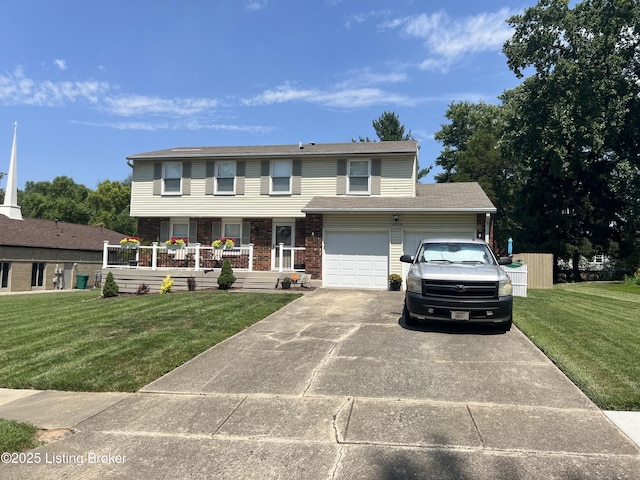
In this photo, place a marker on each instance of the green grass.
(16, 436)
(592, 332)
(76, 341)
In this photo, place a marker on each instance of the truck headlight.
(504, 288)
(414, 284)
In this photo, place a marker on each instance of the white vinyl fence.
(518, 278)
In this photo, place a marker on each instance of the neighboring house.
(343, 213)
(40, 254)
(34, 252)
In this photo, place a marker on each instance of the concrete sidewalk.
(334, 386)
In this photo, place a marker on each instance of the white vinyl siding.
(318, 179)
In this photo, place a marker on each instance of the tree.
(388, 129)
(474, 151)
(62, 199)
(109, 205)
(574, 122)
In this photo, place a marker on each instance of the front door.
(283, 233)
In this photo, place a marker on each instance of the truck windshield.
(455, 253)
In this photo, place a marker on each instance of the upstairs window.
(359, 175)
(225, 177)
(171, 177)
(281, 177)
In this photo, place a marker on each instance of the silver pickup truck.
(457, 280)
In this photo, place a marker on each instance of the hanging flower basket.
(130, 243)
(226, 243)
(175, 243)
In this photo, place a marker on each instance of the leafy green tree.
(574, 123)
(388, 129)
(473, 151)
(109, 205)
(61, 199)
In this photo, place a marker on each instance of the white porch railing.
(196, 257)
(190, 257)
(290, 258)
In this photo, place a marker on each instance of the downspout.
(487, 227)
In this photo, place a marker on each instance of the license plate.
(458, 315)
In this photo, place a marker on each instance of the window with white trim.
(281, 177)
(233, 231)
(225, 178)
(172, 178)
(359, 176)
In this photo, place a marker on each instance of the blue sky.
(92, 82)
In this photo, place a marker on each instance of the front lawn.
(592, 332)
(77, 341)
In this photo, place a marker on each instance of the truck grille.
(461, 290)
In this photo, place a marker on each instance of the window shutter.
(193, 232)
(240, 173)
(246, 233)
(217, 231)
(157, 178)
(208, 185)
(376, 173)
(164, 231)
(341, 187)
(264, 177)
(296, 180)
(186, 178)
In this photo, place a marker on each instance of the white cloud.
(335, 98)
(366, 77)
(447, 39)
(16, 89)
(255, 5)
(61, 64)
(130, 105)
(190, 125)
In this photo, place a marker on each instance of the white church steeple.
(10, 207)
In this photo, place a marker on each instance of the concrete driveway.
(334, 386)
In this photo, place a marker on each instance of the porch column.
(154, 256)
(197, 264)
(487, 226)
(281, 247)
(105, 253)
(251, 257)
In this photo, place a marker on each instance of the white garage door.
(356, 259)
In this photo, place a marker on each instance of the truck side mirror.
(505, 261)
(406, 258)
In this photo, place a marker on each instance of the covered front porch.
(196, 257)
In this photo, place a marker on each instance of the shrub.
(110, 288)
(191, 284)
(167, 285)
(142, 289)
(226, 278)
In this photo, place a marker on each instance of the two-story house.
(341, 212)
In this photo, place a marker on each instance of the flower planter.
(286, 285)
(394, 286)
(129, 246)
(174, 246)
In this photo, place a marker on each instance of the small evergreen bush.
(191, 284)
(167, 285)
(110, 288)
(226, 278)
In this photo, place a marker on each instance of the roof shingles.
(438, 197)
(35, 232)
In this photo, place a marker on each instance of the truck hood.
(458, 272)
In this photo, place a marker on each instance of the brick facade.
(308, 235)
(313, 245)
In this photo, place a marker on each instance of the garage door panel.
(356, 259)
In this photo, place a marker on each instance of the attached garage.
(356, 259)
